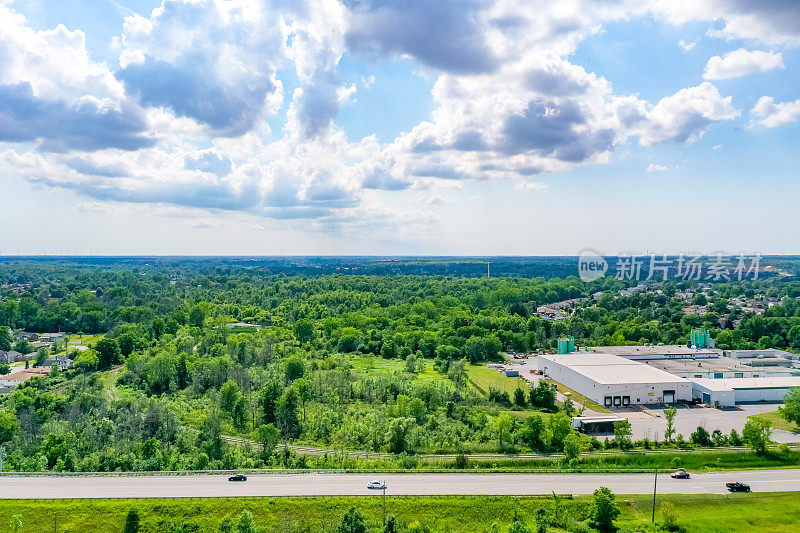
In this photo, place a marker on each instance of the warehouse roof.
(670, 349)
(747, 383)
(611, 369)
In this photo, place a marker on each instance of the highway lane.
(322, 484)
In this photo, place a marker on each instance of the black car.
(238, 477)
(738, 487)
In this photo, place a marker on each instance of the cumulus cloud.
(210, 60)
(686, 115)
(655, 167)
(52, 93)
(740, 63)
(444, 34)
(182, 122)
(775, 22)
(771, 115)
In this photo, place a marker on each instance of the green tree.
(353, 522)
(23, 346)
(532, 432)
(519, 397)
(286, 414)
(132, 521)
(572, 446)
(560, 427)
(701, 437)
(8, 426)
(197, 317)
(604, 510)
(756, 433)
(267, 436)
(502, 425)
(5, 338)
(304, 330)
(303, 388)
(398, 431)
(108, 353)
(791, 409)
(457, 372)
(5, 368)
(669, 414)
(543, 396)
(247, 524)
(228, 394)
(622, 433)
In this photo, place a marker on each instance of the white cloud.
(686, 115)
(687, 46)
(769, 114)
(775, 23)
(740, 63)
(654, 167)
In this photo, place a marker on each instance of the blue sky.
(399, 127)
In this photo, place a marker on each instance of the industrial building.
(658, 351)
(729, 392)
(614, 381)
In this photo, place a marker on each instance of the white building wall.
(760, 395)
(725, 397)
(639, 393)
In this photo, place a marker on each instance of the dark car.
(680, 474)
(238, 477)
(738, 487)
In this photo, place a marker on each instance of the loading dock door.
(669, 396)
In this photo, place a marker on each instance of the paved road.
(398, 484)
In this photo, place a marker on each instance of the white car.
(377, 485)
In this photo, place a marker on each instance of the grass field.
(767, 512)
(486, 378)
(777, 421)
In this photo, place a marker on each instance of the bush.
(461, 461)
(669, 515)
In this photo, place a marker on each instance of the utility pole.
(384, 504)
(2, 452)
(487, 270)
(655, 483)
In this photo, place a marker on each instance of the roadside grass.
(711, 513)
(777, 421)
(579, 398)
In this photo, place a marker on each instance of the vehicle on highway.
(375, 484)
(680, 474)
(738, 487)
(238, 477)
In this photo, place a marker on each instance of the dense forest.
(206, 365)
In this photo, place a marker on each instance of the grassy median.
(767, 512)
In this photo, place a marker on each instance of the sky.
(407, 127)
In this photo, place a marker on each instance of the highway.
(324, 484)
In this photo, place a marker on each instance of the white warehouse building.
(729, 392)
(614, 381)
